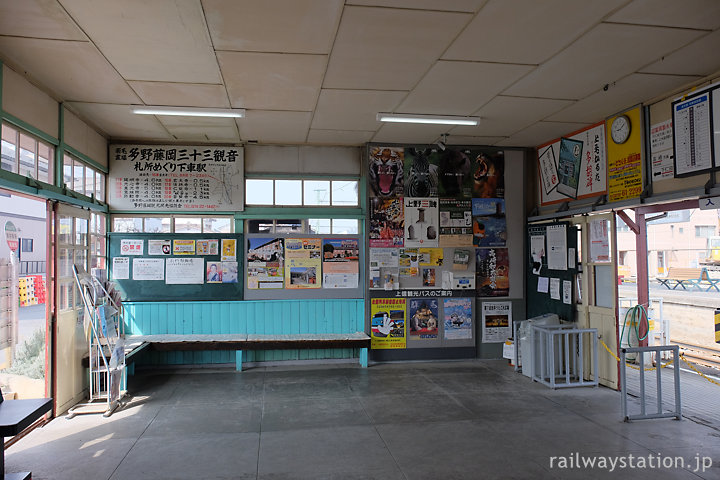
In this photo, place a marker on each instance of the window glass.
(100, 186)
(188, 224)
(27, 245)
(127, 224)
(81, 231)
(67, 172)
(319, 225)
(316, 192)
(288, 226)
(66, 230)
(259, 192)
(28, 146)
(217, 225)
(89, 181)
(344, 193)
(44, 156)
(288, 192)
(344, 226)
(157, 225)
(9, 149)
(260, 226)
(78, 177)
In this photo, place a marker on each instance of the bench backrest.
(686, 273)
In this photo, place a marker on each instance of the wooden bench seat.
(694, 277)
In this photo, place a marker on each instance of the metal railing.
(562, 356)
(658, 350)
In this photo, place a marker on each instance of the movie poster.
(455, 222)
(421, 222)
(421, 173)
(489, 223)
(488, 173)
(264, 262)
(386, 172)
(458, 318)
(341, 265)
(492, 272)
(387, 323)
(423, 318)
(496, 321)
(303, 258)
(387, 219)
(454, 172)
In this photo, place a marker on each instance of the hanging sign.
(11, 236)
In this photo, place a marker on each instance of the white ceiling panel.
(274, 127)
(704, 14)
(504, 116)
(389, 49)
(470, 6)
(74, 71)
(272, 81)
(37, 19)
(288, 26)
(625, 93)
(219, 134)
(698, 58)
(460, 88)
(604, 55)
(119, 122)
(339, 137)
(471, 140)
(150, 40)
(353, 109)
(540, 133)
(409, 133)
(182, 94)
(501, 33)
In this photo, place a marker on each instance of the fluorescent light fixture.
(188, 111)
(433, 119)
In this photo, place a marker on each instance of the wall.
(28, 103)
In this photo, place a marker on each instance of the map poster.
(423, 318)
(387, 323)
(303, 259)
(458, 321)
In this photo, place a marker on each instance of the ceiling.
(318, 71)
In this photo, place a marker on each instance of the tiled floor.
(441, 420)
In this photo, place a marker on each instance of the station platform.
(442, 420)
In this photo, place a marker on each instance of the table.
(16, 416)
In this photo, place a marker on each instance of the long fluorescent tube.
(188, 111)
(434, 119)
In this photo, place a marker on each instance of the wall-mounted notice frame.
(573, 167)
(693, 134)
(161, 275)
(176, 177)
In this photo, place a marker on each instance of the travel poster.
(422, 222)
(340, 262)
(265, 262)
(492, 272)
(458, 316)
(387, 219)
(387, 324)
(423, 318)
(303, 260)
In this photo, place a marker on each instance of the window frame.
(301, 201)
(173, 218)
(19, 135)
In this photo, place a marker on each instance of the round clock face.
(620, 129)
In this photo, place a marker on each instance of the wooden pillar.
(642, 270)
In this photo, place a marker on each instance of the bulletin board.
(138, 258)
(551, 270)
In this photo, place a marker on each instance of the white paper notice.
(661, 150)
(599, 241)
(341, 280)
(557, 247)
(447, 280)
(148, 268)
(571, 258)
(693, 135)
(543, 284)
(537, 252)
(555, 288)
(185, 271)
(131, 247)
(496, 321)
(567, 291)
(121, 268)
(159, 247)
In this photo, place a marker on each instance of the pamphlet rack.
(104, 327)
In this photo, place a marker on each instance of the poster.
(389, 278)
(455, 222)
(176, 178)
(341, 265)
(421, 173)
(423, 318)
(428, 277)
(661, 151)
(131, 247)
(159, 247)
(454, 172)
(555, 288)
(422, 222)
(387, 219)
(121, 268)
(492, 272)
(591, 172)
(557, 247)
(229, 272)
(461, 259)
(184, 271)
(386, 171)
(213, 272)
(458, 321)
(599, 241)
(488, 174)
(489, 224)
(387, 323)
(206, 247)
(183, 247)
(497, 321)
(537, 252)
(692, 135)
(430, 257)
(148, 269)
(380, 258)
(229, 250)
(625, 159)
(303, 262)
(409, 262)
(265, 262)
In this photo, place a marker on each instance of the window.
(170, 224)
(704, 231)
(26, 155)
(98, 234)
(320, 226)
(26, 245)
(83, 179)
(309, 193)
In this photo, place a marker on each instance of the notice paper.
(567, 291)
(185, 271)
(121, 268)
(148, 268)
(543, 284)
(555, 288)
(557, 247)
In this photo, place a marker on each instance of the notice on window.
(121, 268)
(185, 271)
(148, 269)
